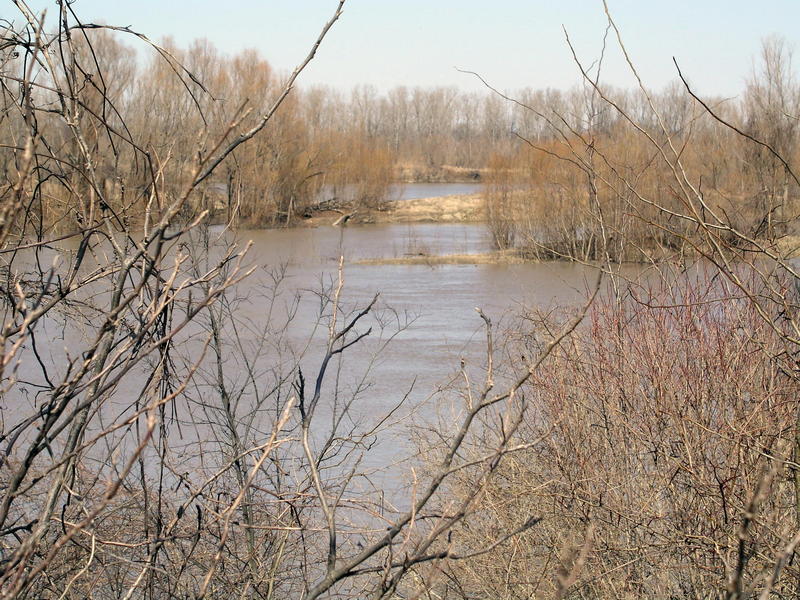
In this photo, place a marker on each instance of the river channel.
(423, 325)
(429, 309)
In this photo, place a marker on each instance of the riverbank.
(464, 208)
(416, 173)
(471, 208)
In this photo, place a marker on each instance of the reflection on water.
(312, 249)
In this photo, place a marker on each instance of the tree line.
(329, 148)
(323, 148)
(567, 184)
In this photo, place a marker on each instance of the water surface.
(423, 326)
(413, 191)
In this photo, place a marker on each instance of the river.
(431, 309)
(442, 298)
(423, 326)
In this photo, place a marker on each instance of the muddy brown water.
(423, 326)
(429, 309)
(441, 298)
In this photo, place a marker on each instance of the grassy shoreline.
(464, 208)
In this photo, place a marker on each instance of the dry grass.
(468, 208)
(419, 173)
(445, 209)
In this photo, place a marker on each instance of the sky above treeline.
(512, 43)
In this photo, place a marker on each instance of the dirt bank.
(444, 209)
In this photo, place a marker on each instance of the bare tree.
(728, 283)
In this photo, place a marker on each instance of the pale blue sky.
(513, 43)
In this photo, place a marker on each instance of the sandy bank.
(444, 209)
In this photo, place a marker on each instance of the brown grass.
(445, 209)
(468, 208)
